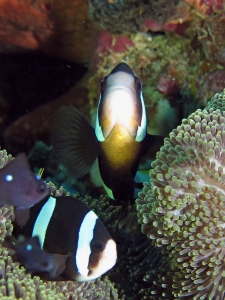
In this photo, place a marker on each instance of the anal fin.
(59, 264)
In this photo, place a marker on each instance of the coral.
(183, 210)
(167, 85)
(25, 23)
(55, 27)
(210, 35)
(39, 155)
(150, 57)
(72, 30)
(213, 82)
(206, 7)
(115, 43)
(110, 16)
(35, 125)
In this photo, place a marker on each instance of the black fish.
(28, 253)
(66, 226)
(119, 139)
(20, 187)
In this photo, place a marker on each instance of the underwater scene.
(112, 149)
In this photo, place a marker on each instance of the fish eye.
(102, 85)
(139, 85)
(8, 177)
(29, 247)
(97, 246)
(41, 188)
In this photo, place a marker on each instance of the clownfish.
(20, 187)
(81, 245)
(119, 139)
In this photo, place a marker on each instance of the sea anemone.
(16, 284)
(184, 208)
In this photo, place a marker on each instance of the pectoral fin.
(151, 145)
(74, 140)
(59, 264)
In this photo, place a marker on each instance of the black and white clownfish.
(20, 187)
(119, 139)
(82, 246)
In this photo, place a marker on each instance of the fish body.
(29, 254)
(20, 187)
(114, 159)
(66, 226)
(119, 139)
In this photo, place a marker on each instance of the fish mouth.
(119, 87)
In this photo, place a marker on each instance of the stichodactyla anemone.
(184, 209)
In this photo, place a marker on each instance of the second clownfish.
(119, 138)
